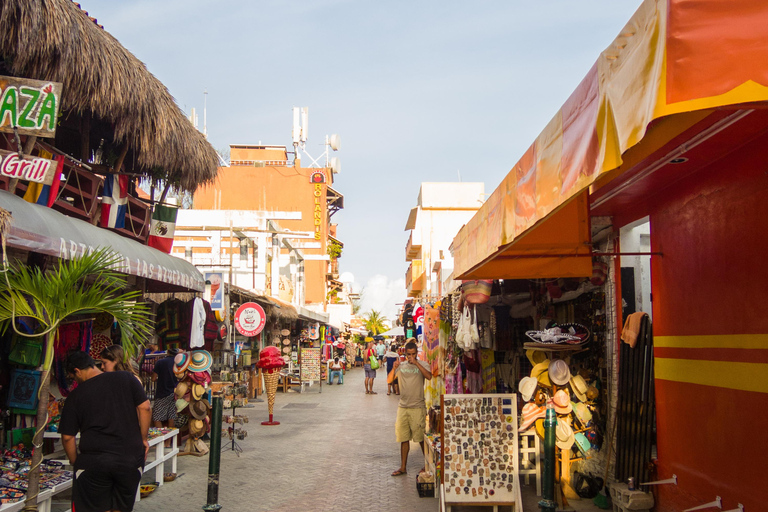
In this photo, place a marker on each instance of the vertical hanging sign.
(318, 180)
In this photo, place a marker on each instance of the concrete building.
(441, 210)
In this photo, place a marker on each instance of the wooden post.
(33, 480)
(121, 157)
(85, 139)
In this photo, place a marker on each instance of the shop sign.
(214, 290)
(31, 106)
(250, 319)
(28, 168)
(318, 213)
(317, 177)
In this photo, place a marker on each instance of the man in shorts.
(112, 414)
(411, 411)
(164, 411)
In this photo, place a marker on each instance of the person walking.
(164, 410)
(391, 356)
(411, 411)
(111, 413)
(381, 349)
(370, 373)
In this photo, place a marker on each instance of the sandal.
(399, 472)
(388, 393)
(374, 393)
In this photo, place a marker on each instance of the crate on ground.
(426, 489)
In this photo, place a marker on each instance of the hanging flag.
(162, 228)
(45, 194)
(114, 202)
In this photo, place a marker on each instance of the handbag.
(477, 291)
(373, 362)
(26, 351)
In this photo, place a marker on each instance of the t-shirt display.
(105, 415)
(411, 384)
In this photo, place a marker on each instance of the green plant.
(334, 250)
(374, 322)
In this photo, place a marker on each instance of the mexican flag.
(162, 228)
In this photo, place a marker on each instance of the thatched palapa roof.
(55, 40)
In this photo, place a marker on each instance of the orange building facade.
(261, 178)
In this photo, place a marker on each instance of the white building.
(442, 209)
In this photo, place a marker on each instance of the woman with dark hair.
(370, 373)
(113, 360)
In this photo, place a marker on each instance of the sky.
(417, 90)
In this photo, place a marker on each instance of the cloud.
(383, 294)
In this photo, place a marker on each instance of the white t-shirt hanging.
(198, 324)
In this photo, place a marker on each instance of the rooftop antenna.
(299, 136)
(205, 113)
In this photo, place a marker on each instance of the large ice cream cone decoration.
(270, 362)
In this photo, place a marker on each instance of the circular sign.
(250, 319)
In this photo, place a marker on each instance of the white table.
(43, 499)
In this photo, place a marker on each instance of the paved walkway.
(333, 451)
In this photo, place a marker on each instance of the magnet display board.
(310, 364)
(480, 449)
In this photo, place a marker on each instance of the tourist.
(164, 410)
(391, 356)
(380, 351)
(411, 411)
(370, 374)
(113, 360)
(336, 369)
(111, 413)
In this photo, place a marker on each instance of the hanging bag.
(373, 362)
(477, 291)
(463, 336)
(26, 351)
(474, 333)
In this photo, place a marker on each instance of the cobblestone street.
(333, 451)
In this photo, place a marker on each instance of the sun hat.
(196, 427)
(564, 435)
(582, 443)
(539, 369)
(531, 412)
(583, 414)
(543, 379)
(182, 388)
(559, 373)
(579, 387)
(527, 388)
(181, 362)
(200, 361)
(197, 391)
(181, 404)
(199, 409)
(535, 356)
(562, 402)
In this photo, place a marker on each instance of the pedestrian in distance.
(381, 349)
(411, 411)
(111, 413)
(164, 410)
(391, 357)
(370, 374)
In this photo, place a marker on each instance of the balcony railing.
(414, 278)
(412, 249)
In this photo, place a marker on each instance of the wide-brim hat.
(562, 402)
(197, 391)
(583, 414)
(527, 388)
(182, 388)
(535, 356)
(579, 387)
(582, 443)
(196, 427)
(531, 412)
(543, 379)
(539, 368)
(201, 361)
(559, 373)
(202, 378)
(181, 404)
(181, 362)
(199, 410)
(564, 435)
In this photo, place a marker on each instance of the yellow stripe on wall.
(756, 341)
(721, 374)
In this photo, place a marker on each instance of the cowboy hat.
(531, 412)
(199, 409)
(559, 373)
(196, 427)
(579, 387)
(538, 372)
(582, 443)
(535, 356)
(181, 362)
(565, 437)
(562, 402)
(197, 391)
(527, 388)
(201, 361)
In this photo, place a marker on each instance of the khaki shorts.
(410, 424)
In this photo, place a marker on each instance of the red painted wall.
(712, 228)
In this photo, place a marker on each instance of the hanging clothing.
(197, 325)
(488, 367)
(69, 337)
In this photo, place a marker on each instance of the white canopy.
(395, 331)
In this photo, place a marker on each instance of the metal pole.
(547, 503)
(214, 457)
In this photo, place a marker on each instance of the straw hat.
(199, 409)
(583, 414)
(181, 389)
(201, 361)
(197, 391)
(181, 404)
(565, 437)
(196, 427)
(535, 356)
(181, 362)
(559, 373)
(582, 443)
(579, 387)
(527, 388)
(540, 373)
(531, 412)
(562, 402)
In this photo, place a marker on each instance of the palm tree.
(85, 286)
(374, 322)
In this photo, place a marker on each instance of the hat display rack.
(192, 369)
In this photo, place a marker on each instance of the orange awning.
(673, 57)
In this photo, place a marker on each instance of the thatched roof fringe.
(55, 40)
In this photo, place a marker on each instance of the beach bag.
(373, 362)
(463, 336)
(474, 332)
(477, 291)
(26, 351)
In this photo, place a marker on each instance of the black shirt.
(166, 380)
(103, 410)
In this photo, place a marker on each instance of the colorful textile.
(431, 332)
(488, 365)
(69, 337)
(46, 194)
